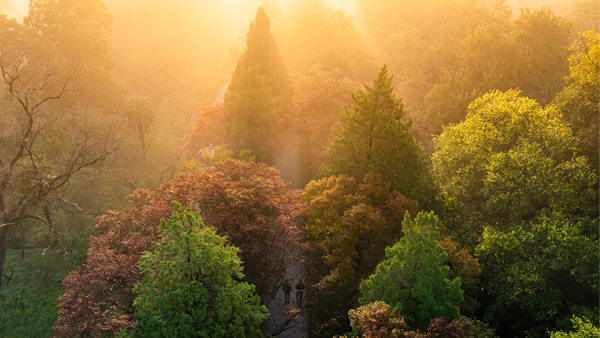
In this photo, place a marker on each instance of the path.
(277, 321)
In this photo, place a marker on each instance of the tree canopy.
(375, 138)
(509, 160)
(413, 278)
(542, 272)
(247, 203)
(191, 285)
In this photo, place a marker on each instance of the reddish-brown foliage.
(249, 204)
(457, 328)
(465, 266)
(210, 128)
(379, 320)
(353, 222)
(349, 224)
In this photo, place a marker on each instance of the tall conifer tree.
(258, 82)
(375, 138)
(262, 50)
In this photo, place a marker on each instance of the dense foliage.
(413, 278)
(374, 138)
(579, 100)
(247, 203)
(509, 160)
(348, 224)
(551, 264)
(190, 285)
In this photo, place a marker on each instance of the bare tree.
(47, 133)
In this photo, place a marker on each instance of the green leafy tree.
(584, 328)
(190, 286)
(509, 160)
(541, 273)
(580, 99)
(413, 278)
(374, 138)
(349, 224)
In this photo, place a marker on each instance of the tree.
(253, 112)
(348, 225)
(373, 138)
(52, 129)
(209, 129)
(509, 160)
(540, 272)
(247, 203)
(584, 329)
(319, 97)
(140, 116)
(353, 222)
(413, 278)
(529, 53)
(585, 15)
(465, 267)
(377, 320)
(190, 285)
(580, 99)
(262, 51)
(258, 85)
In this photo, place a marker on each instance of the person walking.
(299, 289)
(287, 288)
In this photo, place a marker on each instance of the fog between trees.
(477, 119)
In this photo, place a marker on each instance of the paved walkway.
(280, 324)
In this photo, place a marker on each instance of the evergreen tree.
(413, 278)
(190, 286)
(374, 138)
(253, 115)
(262, 50)
(258, 82)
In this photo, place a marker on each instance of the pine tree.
(413, 278)
(262, 50)
(253, 113)
(258, 82)
(374, 138)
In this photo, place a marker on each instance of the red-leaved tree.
(247, 203)
(209, 128)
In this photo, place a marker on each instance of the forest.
(423, 168)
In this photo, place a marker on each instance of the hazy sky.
(349, 6)
(21, 8)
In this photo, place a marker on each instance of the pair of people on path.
(287, 288)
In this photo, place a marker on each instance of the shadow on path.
(288, 318)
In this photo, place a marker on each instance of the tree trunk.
(142, 139)
(3, 236)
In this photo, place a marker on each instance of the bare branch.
(80, 209)
(5, 224)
